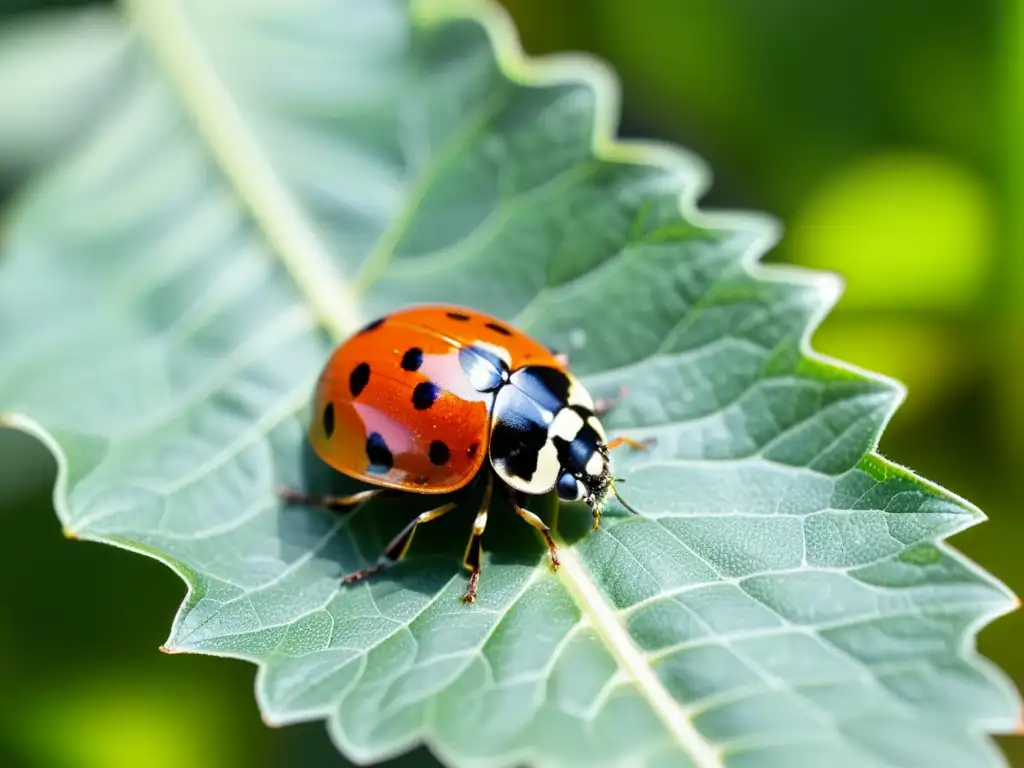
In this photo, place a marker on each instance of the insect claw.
(286, 494)
(470, 597)
(605, 404)
(364, 573)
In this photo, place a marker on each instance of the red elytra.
(401, 378)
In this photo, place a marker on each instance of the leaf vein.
(630, 659)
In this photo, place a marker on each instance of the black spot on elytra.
(439, 453)
(358, 379)
(424, 395)
(499, 329)
(372, 326)
(412, 359)
(327, 419)
(457, 316)
(377, 451)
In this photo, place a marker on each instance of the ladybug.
(425, 399)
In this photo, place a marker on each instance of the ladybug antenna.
(622, 501)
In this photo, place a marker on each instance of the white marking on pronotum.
(548, 467)
(567, 425)
(544, 476)
(595, 464)
(578, 394)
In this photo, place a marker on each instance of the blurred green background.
(886, 135)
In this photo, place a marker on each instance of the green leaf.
(58, 71)
(273, 175)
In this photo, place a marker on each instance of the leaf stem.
(631, 660)
(291, 233)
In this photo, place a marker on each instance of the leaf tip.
(268, 721)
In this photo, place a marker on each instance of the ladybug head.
(590, 483)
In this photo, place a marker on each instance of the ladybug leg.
(561, 357)
(399, 545)
(542, 527)
(636, 444)
(603, 405)
(474, 549)
(327, 502)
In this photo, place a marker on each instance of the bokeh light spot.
(904, 230)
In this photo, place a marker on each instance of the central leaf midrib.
(289, 231)
(632, 662)
(293, 236)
